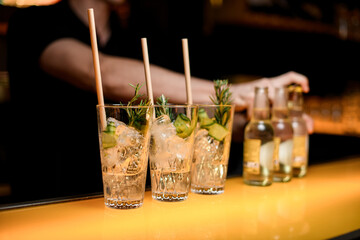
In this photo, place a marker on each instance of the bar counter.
(324, 204)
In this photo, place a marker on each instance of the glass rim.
(117, 105)
(215, 105)
(176, 105)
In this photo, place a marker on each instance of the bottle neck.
(293, 113)
(280, 114)
(261, 114)
(280, 108)
(295, 103)
(261, 109)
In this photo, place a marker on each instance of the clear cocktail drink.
(211, 150)
(171, 151)
(124, 153)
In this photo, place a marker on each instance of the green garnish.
(217, 127)
(222, 97)
(108, 136)
(184, 126)
(110, 128)
(108, 140)
(137, 116)
(204, 119)
(163, 110)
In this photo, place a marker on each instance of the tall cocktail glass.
(171, 151)
(124, 147)
(211, 148)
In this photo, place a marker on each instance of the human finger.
(291, 77)
(309, 123)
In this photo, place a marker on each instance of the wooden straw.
(95, 53)
(147, 70)
(187, 70)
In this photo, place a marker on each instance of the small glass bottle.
(301, 137)
(283, 137)
(259, 143)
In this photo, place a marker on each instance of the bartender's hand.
(243, 93)
(309, 123)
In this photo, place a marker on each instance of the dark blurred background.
(243, 40)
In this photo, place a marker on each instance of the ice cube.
(207, 149)
(162, 128)
(168, 150)
(128, 154)
(161, 131)
(200, 134)
(116, 122)
(163, 119)
(128, 136)
(178, 147)
(111, 156)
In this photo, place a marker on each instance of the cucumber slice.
(108, 140)
(184, 126)
(187, 132)
(218, 132)
(206, 122)
(181, 128)
(184, 117)
(110, 128)
(181, 120)
(204, 119)
(181, 123)
(202, 114)
(184, 134)
(201, 110)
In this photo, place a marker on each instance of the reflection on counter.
(323, 205)
(283, 220)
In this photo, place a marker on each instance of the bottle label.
(285, 152)
(252, 156)
(276, 154)
(299, 151)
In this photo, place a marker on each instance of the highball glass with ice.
(171, 151)
(124, 136)
(211, 148)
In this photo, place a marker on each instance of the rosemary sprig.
(163, 110)
(222, 97)
(137, 116)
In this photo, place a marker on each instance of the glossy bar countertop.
(322, 205)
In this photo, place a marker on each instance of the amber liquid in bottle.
(283, 137)
(259, 143)
(301, 138)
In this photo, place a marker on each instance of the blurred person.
(52, 82)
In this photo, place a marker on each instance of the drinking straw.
(147, 70)
(95, 54)
(187, 70)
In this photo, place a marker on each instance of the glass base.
(111, 203)
(282, 178)
(265, 182)
(207, 190)
(299, 171)
(170, 197)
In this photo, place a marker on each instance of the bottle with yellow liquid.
(301, 137)
(259, 143)
(283, 137)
